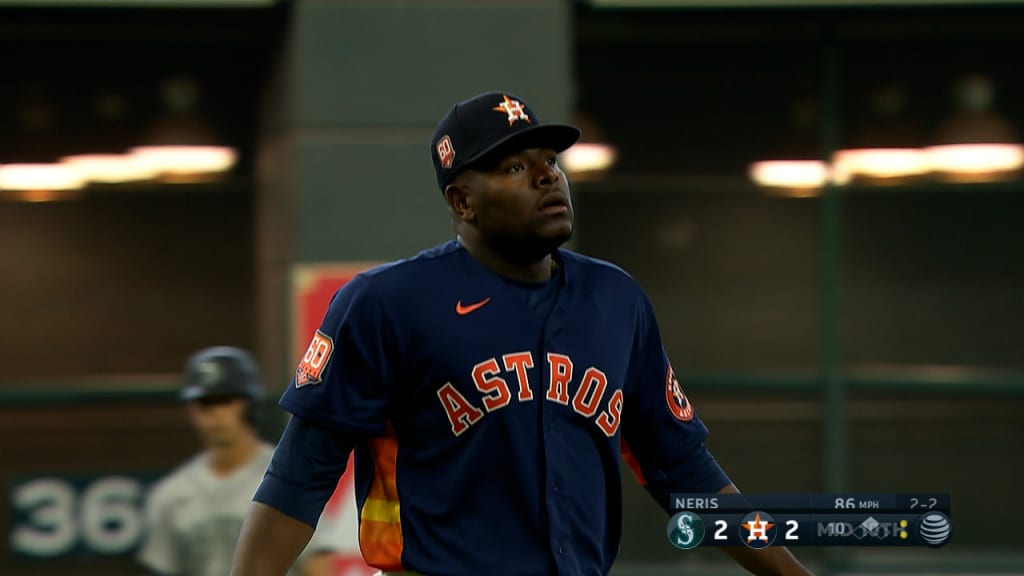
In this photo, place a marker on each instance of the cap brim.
(190, 393)
(557, 137)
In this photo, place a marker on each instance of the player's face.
(521, 202)
(219, 421)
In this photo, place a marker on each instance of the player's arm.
(773, 560)
(157, 554)
(320, 564)
(269, 542)
(301, 478)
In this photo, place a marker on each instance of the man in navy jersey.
(490, 386)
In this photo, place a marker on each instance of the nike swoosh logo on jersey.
(463, 310)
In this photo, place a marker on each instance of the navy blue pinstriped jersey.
(495, 413)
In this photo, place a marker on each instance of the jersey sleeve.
(345, 379)
(663, 438)
(157, 551)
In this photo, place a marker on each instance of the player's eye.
(553, 161)
(516, 166)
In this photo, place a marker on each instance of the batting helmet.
(222, 371)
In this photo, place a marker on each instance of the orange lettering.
(520, 361)
(609, 420)
(593, 385)
(460, 412)
(486, 380)
(558, 378)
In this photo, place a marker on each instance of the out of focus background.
(822, 199)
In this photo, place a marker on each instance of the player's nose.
(545, 175)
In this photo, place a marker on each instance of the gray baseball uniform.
(193, 518)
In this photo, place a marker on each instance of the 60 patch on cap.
(445, 152)
(314, 361)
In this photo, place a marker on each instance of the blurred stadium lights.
(182, 145)
(185, 164)
(593, 155)
(38, 181)
(964, 163)
(798, 178)
(976, 162)
(878, 165)
(110, 168)
(975, 144)
(588, 158)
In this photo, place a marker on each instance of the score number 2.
(791, 530)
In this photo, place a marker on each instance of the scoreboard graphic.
(762, 520)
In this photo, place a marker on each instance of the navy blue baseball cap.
(487, 123)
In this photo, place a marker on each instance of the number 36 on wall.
(54, 516)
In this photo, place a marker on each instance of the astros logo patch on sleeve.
(314, 361)
(678, 404)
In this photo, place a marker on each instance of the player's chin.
(551, 239)
(558, 230)
(216, 435)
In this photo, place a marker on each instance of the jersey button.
(555, 487)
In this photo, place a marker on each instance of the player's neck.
(531, 270)
(226, 459)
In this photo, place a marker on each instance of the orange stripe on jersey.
(632, 462)
(380, 526)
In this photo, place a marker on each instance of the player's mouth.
(554, 204)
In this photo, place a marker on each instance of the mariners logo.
(210, 373)
(758, 530)
(685, 530)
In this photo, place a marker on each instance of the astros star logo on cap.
(514, 109)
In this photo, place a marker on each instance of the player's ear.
(456, 194)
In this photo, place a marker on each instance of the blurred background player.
(194, 514)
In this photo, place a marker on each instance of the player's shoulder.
(263, 455)
(398, 271)
(179, 482)
(430, 258)
(596, 269)
(406, 273)
(590, 263)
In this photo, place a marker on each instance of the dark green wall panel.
(383, 64)
(368, 200)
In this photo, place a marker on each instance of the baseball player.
(490, 386)
(193, 515)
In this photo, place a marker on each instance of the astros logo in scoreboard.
(758, 530)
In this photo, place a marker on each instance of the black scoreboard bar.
(761, 520)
